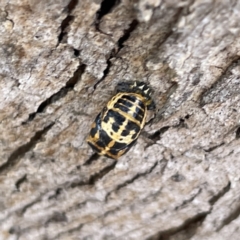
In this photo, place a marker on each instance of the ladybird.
(117, 127)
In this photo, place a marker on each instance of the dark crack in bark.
(89, 161)
(66, 21)
(106, 71)
(27, 206)
(189, 225)
(68, 232)
(129, 181)
(231, 217)
(213, 147)
(157, 135)
(60, 94)
(106, 7)
(20, 182)
(238, 133)
(56, 217)
(166, 98)
(185, 202)
(203, 98)
(16, 155)
(127, 32)
(220, 194)
(95, 177)
(56, 194)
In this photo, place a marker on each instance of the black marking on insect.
(117, 127)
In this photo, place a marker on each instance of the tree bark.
(59, 64)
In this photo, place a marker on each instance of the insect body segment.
(119, 124)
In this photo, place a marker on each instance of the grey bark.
(59, 64)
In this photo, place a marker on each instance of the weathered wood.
(59, 64)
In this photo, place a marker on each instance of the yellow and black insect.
(117, 127)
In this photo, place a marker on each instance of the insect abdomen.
(119, 124)
(126, 115)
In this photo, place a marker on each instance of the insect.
(117, 127)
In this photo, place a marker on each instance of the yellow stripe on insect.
(115, 135)
(119, 124)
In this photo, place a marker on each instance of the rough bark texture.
(59, 64)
